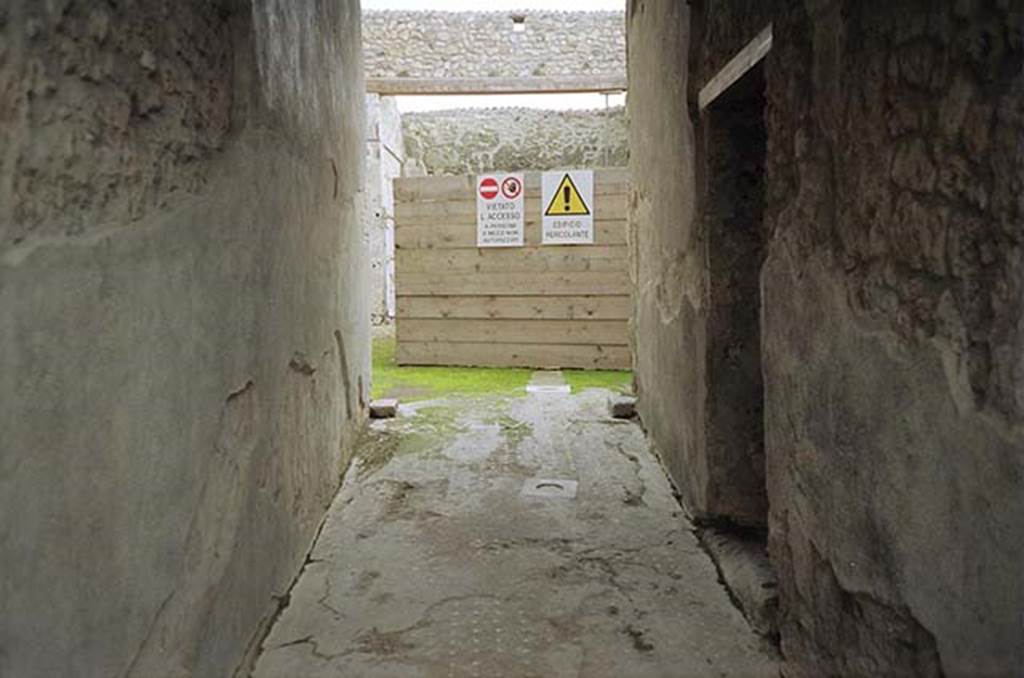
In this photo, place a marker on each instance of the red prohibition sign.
(511, 188)
(488, 189)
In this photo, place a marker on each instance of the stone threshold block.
(548, 381)
(622, 407)
(385, 408)
(748, 574)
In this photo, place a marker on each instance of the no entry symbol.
(511, 188)
(488, 189)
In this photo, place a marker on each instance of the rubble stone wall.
(414, 44)
(470, 141)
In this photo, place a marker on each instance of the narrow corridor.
(440, 556)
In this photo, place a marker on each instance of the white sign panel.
(567, 201)
(500, 215)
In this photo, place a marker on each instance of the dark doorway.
(735, 146)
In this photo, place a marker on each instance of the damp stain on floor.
(435, 561)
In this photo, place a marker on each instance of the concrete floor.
(433, 561)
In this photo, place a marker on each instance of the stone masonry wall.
(483, 44)
(470, 141)
(183, 326)
(893, 339)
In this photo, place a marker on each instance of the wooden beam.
(605, 208)
(443, 284)
(747, 58)
(607, 181)
(515, 355)
(514, 259)
(462, 235)
(560, 332)
(525, 85)
(516, 308)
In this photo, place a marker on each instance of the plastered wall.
(667, 249)
(183, 325)
(892, 344)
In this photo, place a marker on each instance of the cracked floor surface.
(432, 561)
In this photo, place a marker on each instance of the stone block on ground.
(548, 381)
(622, 406)
(385, 408)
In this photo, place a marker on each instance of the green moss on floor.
(513, 430)
(424, 383)
(424, 435)
(613, 380)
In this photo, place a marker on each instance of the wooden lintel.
(747, 58)
(526, 85)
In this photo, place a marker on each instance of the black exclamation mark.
(565, 196)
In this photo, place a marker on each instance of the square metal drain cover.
(550, 488)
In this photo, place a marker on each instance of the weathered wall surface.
(891, 315)
(385, 156)
(893, 339)
(471, 141)
(483, 44)
(894, 336)
(183, 344)
(668, 252)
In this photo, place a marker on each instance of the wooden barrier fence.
(549, 306)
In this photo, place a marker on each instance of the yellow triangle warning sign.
(567, 201)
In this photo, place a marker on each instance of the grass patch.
(613, 380)
(424, 383)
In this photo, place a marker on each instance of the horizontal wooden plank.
(512, 284)
(605, 332)
(523, 259)
(551, 356)
(497, 85)
(607, 181)
(461, 236)
(539, 308)
(605, 208)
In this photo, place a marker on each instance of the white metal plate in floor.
(550, 488)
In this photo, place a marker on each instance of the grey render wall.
(668, 251)
(483, 44)
(183, 331)
(385, 156)
(469, 141)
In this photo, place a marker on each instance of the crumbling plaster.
(892, 332)
(893, 337)
(183, 327)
